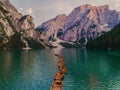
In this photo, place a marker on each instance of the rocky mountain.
(17, 31)
(26, 24)
(7, 22)
(88, 22)
(15, 15)
(84, 23)
(110, 40)
(53, 27)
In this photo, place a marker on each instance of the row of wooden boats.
(59, 76)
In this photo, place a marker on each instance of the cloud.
(51, 10)
(117, 6)
(29, 11)
(33, 16)
(21, 9)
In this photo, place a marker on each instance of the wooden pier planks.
(57, 83)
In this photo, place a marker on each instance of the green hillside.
(108, 40)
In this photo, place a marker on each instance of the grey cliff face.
(26, 24)
(53, 26)
(7, 24)
(18, 31)
(88, 22)
(12, 10)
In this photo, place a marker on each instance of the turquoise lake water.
(34, 69)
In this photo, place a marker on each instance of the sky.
(43, 10)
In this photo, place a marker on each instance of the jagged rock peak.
(14, 27)
(83, 7)
(28, 17)
(88, 11)
(26, 22)
(52, 26)
(8, 5)
(89, 22)
(88, 6)
(56, 19)
(61, 16)
(103, 7)
(12, 11)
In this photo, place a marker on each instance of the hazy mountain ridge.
(86, 22)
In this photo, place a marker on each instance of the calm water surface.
(34, 70)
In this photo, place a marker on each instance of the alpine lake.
(35, 69)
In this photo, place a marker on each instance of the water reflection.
(34, 70)
(5, 66)
(29, 70)
(91, 69)
(27, 60)
(93, 80)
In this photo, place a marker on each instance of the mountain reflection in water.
(34, 69)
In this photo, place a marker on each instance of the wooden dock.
(58, 77)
